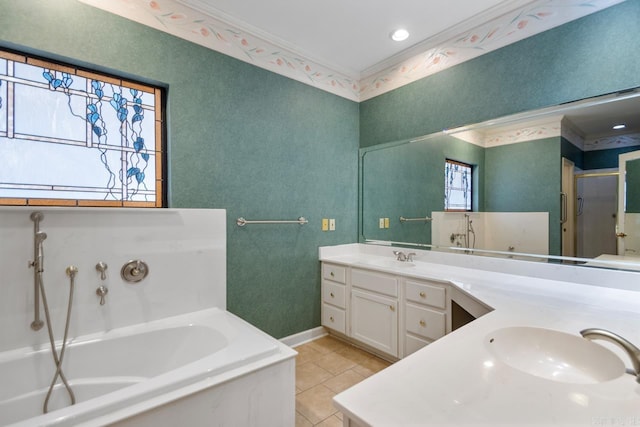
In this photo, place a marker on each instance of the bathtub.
(192, 369)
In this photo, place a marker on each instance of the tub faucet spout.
(630, 349)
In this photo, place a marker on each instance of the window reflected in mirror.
(457, 186)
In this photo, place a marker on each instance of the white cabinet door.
(374, 321)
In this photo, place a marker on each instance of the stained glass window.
(457, 186)
(69, 136)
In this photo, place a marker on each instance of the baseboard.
(304, 336)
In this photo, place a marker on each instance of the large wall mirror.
(556, 183)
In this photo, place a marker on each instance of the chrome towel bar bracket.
(241, 222)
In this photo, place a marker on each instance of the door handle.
(621, 235)
(563, 208)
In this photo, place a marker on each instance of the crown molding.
(508, 23)
(231, 21)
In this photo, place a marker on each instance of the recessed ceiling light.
(620, 126)
(399, 35)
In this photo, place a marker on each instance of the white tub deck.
(127, 371)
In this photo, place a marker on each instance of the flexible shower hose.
(71, 271)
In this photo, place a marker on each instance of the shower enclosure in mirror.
(544, 183)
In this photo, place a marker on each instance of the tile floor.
(324, 368)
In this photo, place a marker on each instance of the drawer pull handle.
(331, 274)
(423, 323)
(331, 318)
(392, 308)
(332, 295)
(423, 294)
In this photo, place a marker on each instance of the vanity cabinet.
(392, 314)
(374, 310)
(425, 313)
(334, 297)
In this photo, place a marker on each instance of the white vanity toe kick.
(457, 380)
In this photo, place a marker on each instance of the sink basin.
(554, 355)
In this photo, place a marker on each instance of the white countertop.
(457, 381)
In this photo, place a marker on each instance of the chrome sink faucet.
(401, 256)
(630, 349)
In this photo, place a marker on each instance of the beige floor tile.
(332, 421)
(334, 363)
(370, 366)
(327, 344)
(354, 354)
(301, 421)
(309, 375)
(343, 381)
(316, 403)
(306, 353)
(339, 415)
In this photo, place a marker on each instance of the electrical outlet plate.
(381, 223)
(325, 224)
(386, 223)
(332, 224)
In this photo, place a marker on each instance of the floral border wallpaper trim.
(532, 19)
(605, 143)
(181, 21)
(503, 136)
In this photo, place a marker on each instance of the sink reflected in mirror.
(554, 355)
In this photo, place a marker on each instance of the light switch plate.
(332, 224)
(386, 223)
(325, 224)
(381, 223)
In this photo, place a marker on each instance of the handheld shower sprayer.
(39, 237)
(38, 267)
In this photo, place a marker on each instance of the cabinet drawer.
(425, 322)
(423, 293)
(413, 344)
(337, 273)
(334, 318)
(333, 293)
(377, 282)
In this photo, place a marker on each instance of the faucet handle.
(102, 268)
(102, 291)
(410, 256)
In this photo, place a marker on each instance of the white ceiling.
(353, 36)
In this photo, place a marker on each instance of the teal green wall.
(407, 179)
(604, 159)
(263, 146)
(526, 177)
(572, 153)
(590, 56)
(240, 138)
(632, 181)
